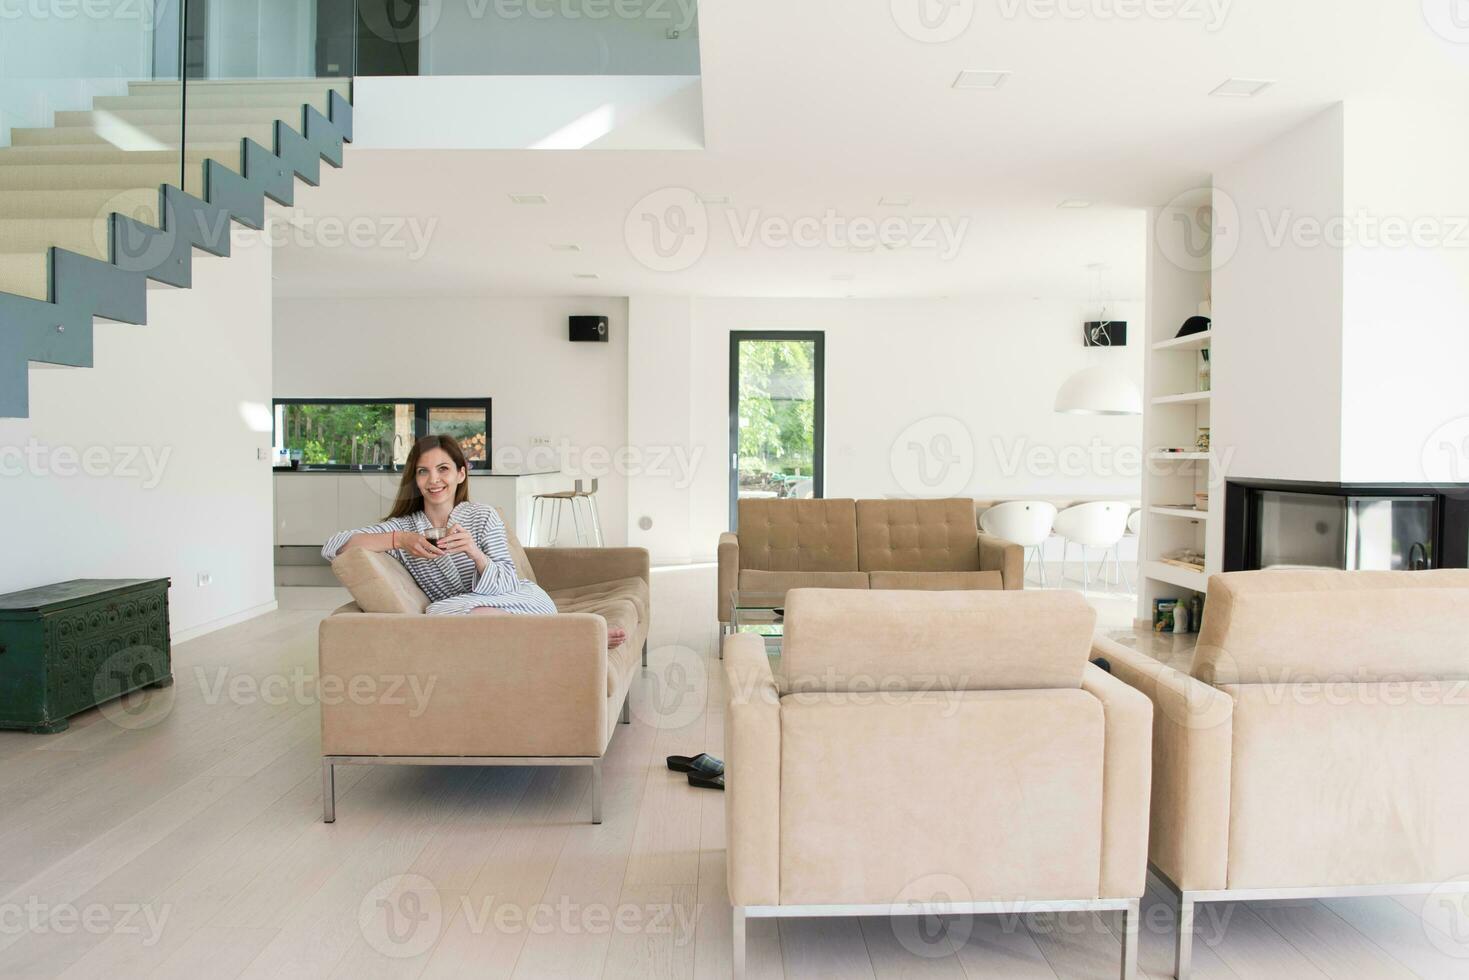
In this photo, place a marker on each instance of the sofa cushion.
(841, 640)
(784, 581)
(917, 536)
(523, 567)
(378, 582)
(798, 535)
(937, 581)
(586, 598)
(1317, 625)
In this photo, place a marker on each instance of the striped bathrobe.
(451, 582)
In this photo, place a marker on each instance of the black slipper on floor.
(703, 763)
(707, 782)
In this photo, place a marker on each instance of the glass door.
(775, 415)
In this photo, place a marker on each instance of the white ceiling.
(820, 106)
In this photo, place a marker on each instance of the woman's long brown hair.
(410, 500)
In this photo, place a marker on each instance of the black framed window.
(377, 433)
(776, 415)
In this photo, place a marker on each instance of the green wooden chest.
(68, 647)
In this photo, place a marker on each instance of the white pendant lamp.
(1099, 391)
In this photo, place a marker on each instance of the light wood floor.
(185, 840)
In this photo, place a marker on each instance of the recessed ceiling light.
(1242, 88)
(843, 276)
(1074, 205)
(895, 200)
(529, 199)
(585, 275)
(980, 78)
(714, 198)
(566, 247)
(863, 248)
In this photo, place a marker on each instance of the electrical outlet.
(261, 453)
(205, 579)
(540, 440)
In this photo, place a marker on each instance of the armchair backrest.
(1320, 625)
(917, 536)
(793, 535)
(840, 640)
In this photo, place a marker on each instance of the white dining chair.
(1024, 522)
(1099, 524)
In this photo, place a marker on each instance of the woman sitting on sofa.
(470, 570)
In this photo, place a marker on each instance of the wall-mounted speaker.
(589, 328)
(1104, 333)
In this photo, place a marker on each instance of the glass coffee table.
(761, 612)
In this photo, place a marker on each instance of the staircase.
(101, 203)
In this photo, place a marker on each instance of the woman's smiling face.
(438, 478)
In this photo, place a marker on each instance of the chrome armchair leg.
(1183, 953)
(738, 931)
(626, 716)
(597, 791)
(645, 653)
(328, 792)
(1130, 925)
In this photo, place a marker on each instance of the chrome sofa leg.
(738, 931)
(596, 791)
(328, 792)
(1130, 924)
(626, 716)
(1184, 952)
(645, 653)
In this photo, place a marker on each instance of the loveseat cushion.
(588, 598)
(795, 535)
(1280, 626)
(937, 581)
(851, 641)
(917, 536)
(378, 582)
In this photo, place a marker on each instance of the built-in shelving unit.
(1177, 406)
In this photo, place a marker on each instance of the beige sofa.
(939, 752)
(1316, 747)
(862, 544)
(402, 687)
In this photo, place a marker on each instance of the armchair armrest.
(729, 574)
(567, 568)
(752, 770)
(1127, 776)
(1005, 557)
(463, 685)
(1193, 733)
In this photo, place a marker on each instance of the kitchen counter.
(309, 511)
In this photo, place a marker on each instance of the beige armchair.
(933, 752)
(399, 687)
(1316, 747)
(862, 544)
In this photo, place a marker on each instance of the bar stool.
(548, 506)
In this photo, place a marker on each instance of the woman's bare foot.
(616, 637)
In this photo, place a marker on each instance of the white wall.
(1278, 309)
(573, 395)
(928, 398)
(660, 399)
(147, 465)
(1405, 409)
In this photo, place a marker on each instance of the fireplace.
(1274, 524)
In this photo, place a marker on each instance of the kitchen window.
(343, 433)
